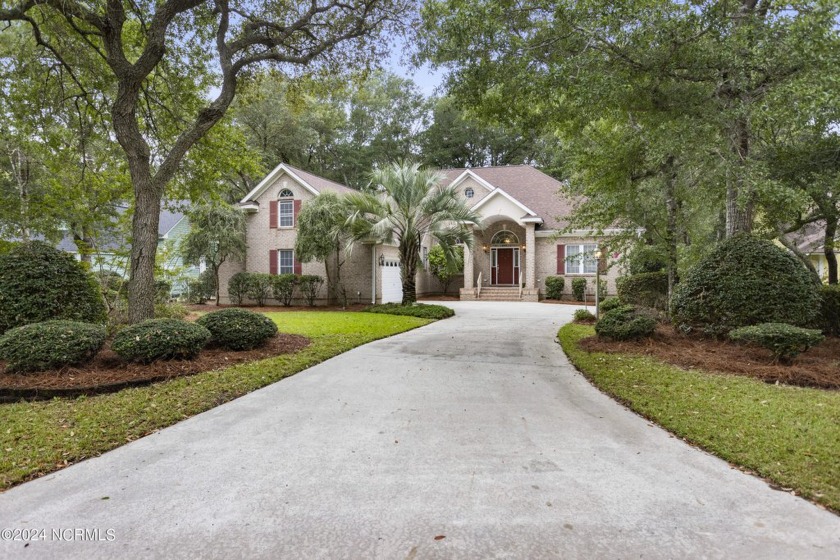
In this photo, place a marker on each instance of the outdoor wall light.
(523, 248)
(486, 248)
(381, 260)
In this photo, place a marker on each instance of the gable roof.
(529, 186)
(112, 240)
(810, 239)
(311, 182)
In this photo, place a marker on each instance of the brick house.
(520, 241)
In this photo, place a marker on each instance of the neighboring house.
(109, 252)
(519, 245)
(810, 241)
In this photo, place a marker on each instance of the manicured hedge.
(625, 323)
(785, 341)
(39, 283)
(579, 288)
(238, 287)
(584, 316)
(259, 287)
(745, 281)
(648, 289)
(422, 310)
(554, 287)
(50, 345)
(238, 329)
(160, 339)
(283, 288)
(309, 285)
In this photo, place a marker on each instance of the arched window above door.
(505, 237)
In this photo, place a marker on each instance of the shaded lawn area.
(789, 435)
(39, 437)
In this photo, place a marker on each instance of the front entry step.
(499, 293)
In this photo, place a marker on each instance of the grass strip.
(40, 437)
(788, 435)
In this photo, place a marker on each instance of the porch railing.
(478, 287)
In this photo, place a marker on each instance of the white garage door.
(391, 282)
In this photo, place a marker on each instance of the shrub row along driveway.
(474, 429)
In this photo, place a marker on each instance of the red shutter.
(297, 210)
(272, 214)
(272, 261)
(561, 259)
(297, 264)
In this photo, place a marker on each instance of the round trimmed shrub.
(648, 289)
(610, 303)
(584, 316)
(39, 283)
(238, 329)
(745, 281)
(50, 345)
(829, 320)
(554, 287)
(785, 341)
(625, 323)
(160, 339)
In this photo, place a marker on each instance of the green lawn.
(789, 435)
(39, 437)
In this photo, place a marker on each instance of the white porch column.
(468, 267)
(530, 256)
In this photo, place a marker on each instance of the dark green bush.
(646, 258)
(309, 285)
(579, 288)
(745, 281)
(170, 311)
(554, 287)
(201, 289)
(238, 329)
(785, 341)
(830, 310)
(259, 287)
(584, 316)
(283, 288)
(625, 323)
(50, 345)
(160, 339)
(602, 289)
(648, 289)
(238, 287)
(610, 303)
(39, 283)
(422, 310)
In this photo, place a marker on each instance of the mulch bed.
(199, 309)
(818, 367)
(108, 373)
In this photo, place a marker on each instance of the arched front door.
(505, 259)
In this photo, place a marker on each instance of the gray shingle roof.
(539, 192)
(319, 183)
(810, 239)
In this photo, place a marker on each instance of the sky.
(427, 79)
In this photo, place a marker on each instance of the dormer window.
(286, 208)
(469, 192)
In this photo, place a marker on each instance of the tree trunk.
(740, 198)
(790, 246)
(671, 228)
(409, 250)
(216, 280)
(144, 240)
(828, 249)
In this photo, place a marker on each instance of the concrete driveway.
(470, 438)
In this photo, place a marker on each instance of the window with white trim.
(580, 259)
(285, 261)
(286, 208)
(425, 258)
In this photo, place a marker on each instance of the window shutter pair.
(273, 213)
(561, 259)
(273, 267)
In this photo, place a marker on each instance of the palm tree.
(407, 204)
